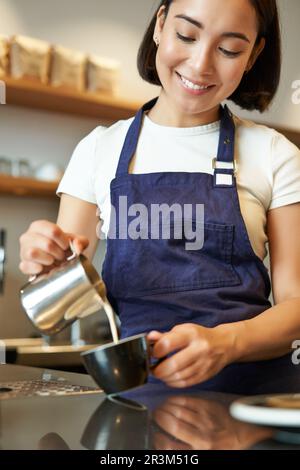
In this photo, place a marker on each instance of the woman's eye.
(184, 38)
(229, 53)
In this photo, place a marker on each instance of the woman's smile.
(192, 87)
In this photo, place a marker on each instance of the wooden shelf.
(102, 106)
(36, 95)
(27, 187)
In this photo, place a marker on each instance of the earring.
(156, 42)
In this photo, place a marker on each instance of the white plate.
(258, 410)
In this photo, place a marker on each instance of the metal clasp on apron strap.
(224, 165)
(224, 172)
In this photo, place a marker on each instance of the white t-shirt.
(268, 172)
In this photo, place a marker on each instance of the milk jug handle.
(72, 256)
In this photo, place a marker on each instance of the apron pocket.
(150, 266)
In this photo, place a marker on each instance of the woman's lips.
(193, 91)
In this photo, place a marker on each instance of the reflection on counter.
(152, 417)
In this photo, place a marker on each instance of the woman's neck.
(165, 113)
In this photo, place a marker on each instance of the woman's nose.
(202, 61)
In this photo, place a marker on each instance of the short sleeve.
(286, 172)
(78, 179)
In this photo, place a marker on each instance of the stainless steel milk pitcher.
(66, 293)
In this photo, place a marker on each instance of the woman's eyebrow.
(229, 34)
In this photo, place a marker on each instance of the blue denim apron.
(155, 284)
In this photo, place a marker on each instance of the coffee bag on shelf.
(30, 58)
(4, 51)
(68, 68)
(102, 74)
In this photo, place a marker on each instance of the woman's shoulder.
(254, 129)
(100, 141)
(263, 136)
(113, 131)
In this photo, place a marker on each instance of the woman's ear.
(255, 53)
(160, 21)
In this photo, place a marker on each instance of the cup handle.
(153, 366)
(161, 359)
(72, 248)
(72, 256)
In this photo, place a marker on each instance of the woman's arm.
(272, 333)
(79, 217)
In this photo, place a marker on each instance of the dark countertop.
(157, 418)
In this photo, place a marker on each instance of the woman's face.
(214, 53)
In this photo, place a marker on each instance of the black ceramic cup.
(117, 367)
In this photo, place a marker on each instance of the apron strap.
(132, 138)
(224, 164)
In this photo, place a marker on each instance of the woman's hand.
(200, 353)
(45, 244)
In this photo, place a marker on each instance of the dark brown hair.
(259, 86)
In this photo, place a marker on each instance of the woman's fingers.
(30, 268)
(40, 249)
(185, 378)
(180, 365)
(172, 341)
(79, 242)
(51, 231)
(45, 244)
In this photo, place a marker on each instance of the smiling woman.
(230, 52)
(207, 310)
